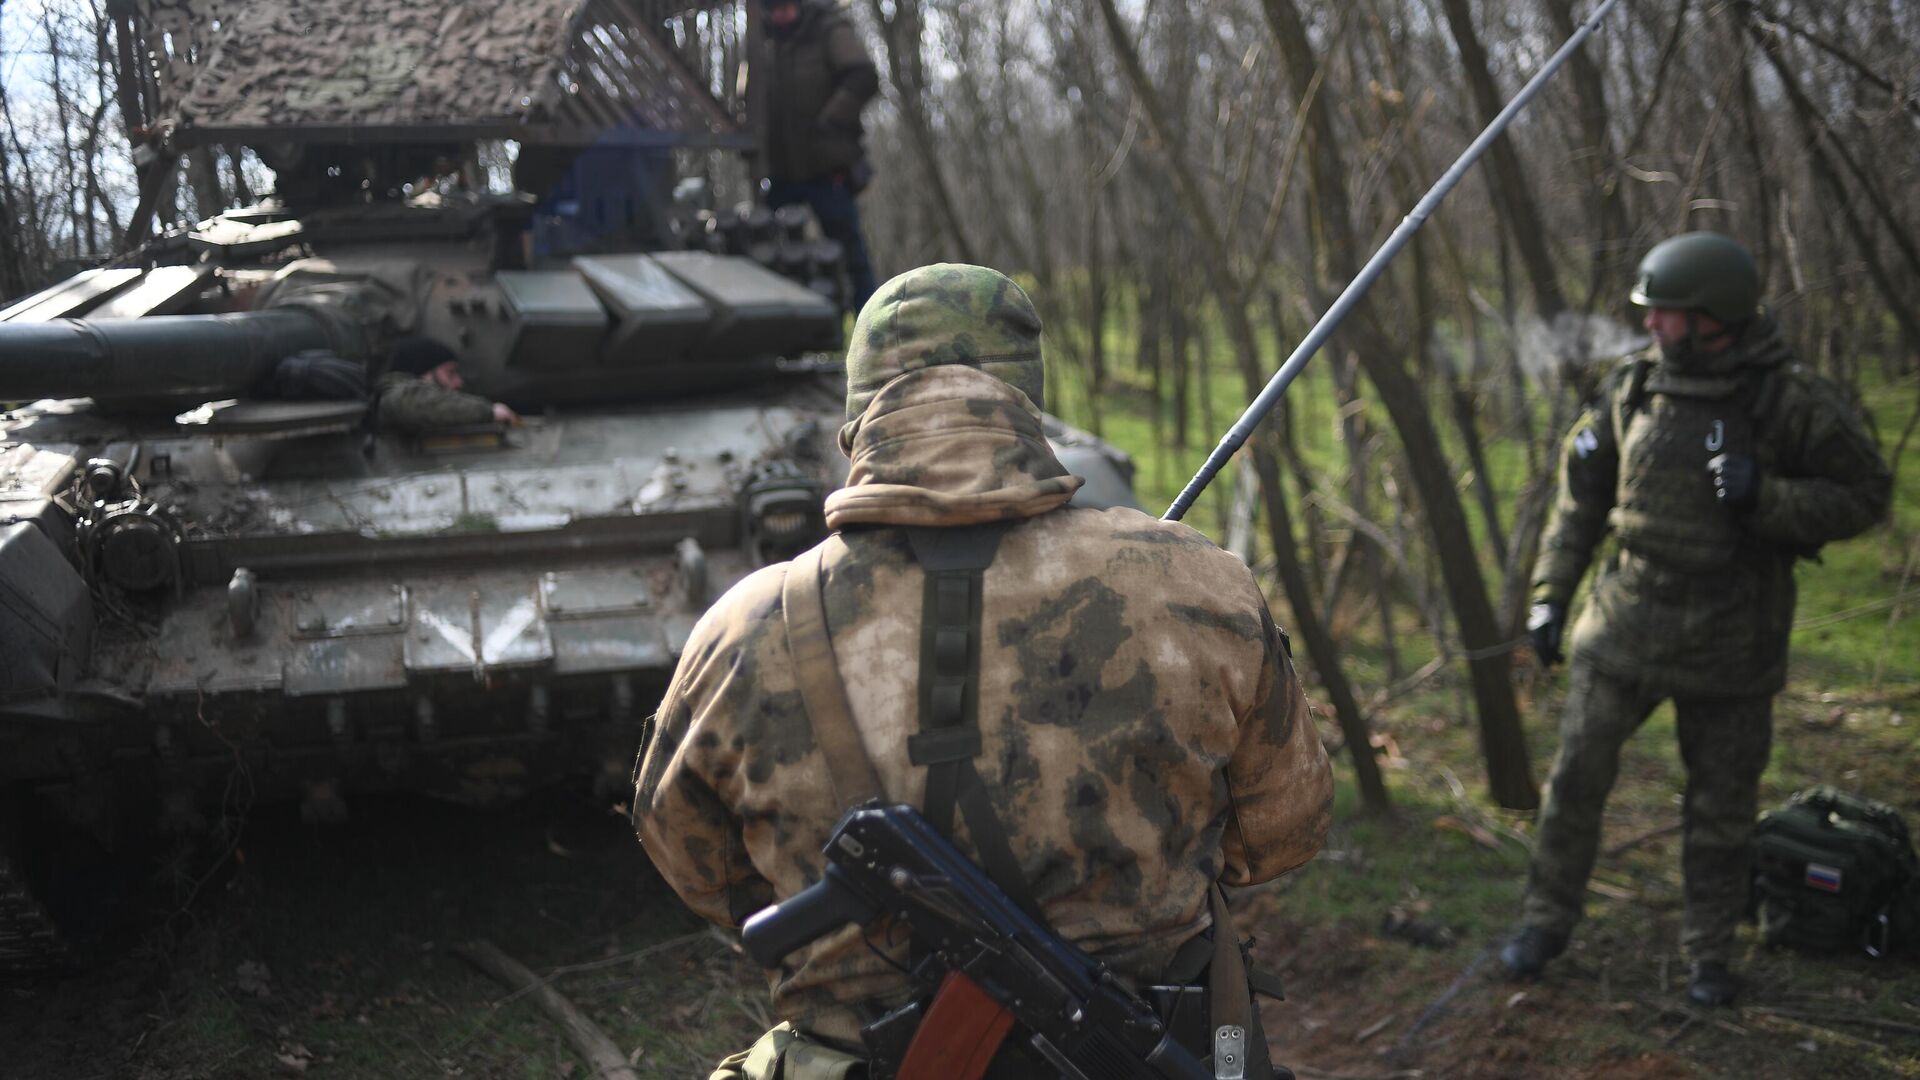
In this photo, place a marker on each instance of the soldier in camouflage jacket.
(1715, 461)
(421, 392)
(818, 77)
(1143, 731)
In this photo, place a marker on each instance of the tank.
(207, 579)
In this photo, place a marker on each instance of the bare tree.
(1503, 743)
(1232, 297)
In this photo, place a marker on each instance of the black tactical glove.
(1546, 621)
(1736, 480)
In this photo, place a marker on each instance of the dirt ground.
(1366, 1003)
(333, 953)
(1349, 1016)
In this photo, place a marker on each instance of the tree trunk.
(1097, 301)
(1502, 739)
(1320, 644)
(1820, 140)
(1607, 206)
(1231, 296)
(242, 191)
(901, 33)
(203, 179)
(1511, 191)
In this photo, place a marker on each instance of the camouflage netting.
(230, 64)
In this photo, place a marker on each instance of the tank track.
(29, 942)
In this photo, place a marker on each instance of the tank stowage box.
(558, 322)
(753, 307)
(657, 317)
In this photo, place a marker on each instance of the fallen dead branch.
(584, 1035)
(1440, 1003)
(1889, 696)
(1689, 1016)
(1310, 1073)
(625, 958)
(1686, 1025)
(1776, 1020)
(1467, 810)
(1807, 1015)
(1647, 837)
(1374, 1028)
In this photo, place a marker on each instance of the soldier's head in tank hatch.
(781, 15)
(1700, 289)
(427, 358)
(946, 313)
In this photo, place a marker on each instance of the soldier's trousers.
(1724, 743)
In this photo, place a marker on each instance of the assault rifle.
(987, 964)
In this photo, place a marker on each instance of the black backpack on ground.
(1833, 872)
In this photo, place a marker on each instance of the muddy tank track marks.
(29, 943)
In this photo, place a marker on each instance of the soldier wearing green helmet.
(1715, 462)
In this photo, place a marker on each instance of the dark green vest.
(1692, 603)
(1664, 506)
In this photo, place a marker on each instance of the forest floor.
(333, 952)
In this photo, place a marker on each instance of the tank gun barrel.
(171, 357)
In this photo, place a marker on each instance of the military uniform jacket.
(1143, 731)
(819, 77)
(410, 404)
(1698, 599)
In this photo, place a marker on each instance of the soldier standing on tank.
(422, 391)
(819, 77)
(1717, 461)
(1138, 728)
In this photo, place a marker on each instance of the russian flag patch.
(1822, 877)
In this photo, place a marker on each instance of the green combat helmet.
(1700, 271)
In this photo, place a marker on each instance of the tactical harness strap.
(955, 562)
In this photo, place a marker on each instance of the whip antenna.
(1277, 386)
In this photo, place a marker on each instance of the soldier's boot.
(1526, 953)
(1713, 984)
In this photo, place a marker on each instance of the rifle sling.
(1230, 1003)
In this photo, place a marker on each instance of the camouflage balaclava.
(946, 313)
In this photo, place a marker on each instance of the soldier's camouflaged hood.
(948, 446)
(944, 314)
